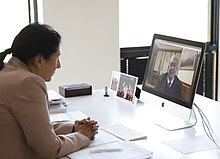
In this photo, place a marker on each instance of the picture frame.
(188, 59)
(126, 85)
(115, 80)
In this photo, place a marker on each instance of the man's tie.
(169, 84)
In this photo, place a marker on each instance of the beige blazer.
(25, 128)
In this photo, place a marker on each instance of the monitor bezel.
(183, 103)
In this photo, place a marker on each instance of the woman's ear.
(38, 60)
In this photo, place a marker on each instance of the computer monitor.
(171, 78)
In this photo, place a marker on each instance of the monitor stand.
(172, 123)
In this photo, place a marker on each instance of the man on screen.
(169, 83)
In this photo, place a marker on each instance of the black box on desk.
(73, 90)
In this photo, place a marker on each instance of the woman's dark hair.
(33, 39)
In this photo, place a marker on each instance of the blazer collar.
(16, 62)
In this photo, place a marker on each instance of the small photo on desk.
(115, 80)
(127, 87)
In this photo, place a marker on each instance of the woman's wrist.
(73, 130)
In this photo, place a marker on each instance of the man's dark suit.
(175, 90)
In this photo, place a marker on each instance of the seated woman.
(25, 128)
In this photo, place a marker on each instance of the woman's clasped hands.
(87, 127)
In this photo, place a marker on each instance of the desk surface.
(138, 116)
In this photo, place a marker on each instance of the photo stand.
(125, 85)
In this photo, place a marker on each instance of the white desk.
(113, 110)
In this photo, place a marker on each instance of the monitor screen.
(173, 70)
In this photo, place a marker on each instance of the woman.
(25, 128)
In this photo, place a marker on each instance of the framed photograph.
(115, 80)
(188, 59)
(127, 87)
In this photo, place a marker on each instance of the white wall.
(140, 19)
(90, 44)
(13, 17)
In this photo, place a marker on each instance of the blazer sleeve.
(30, 108)
(63, 128)
(161, 82)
